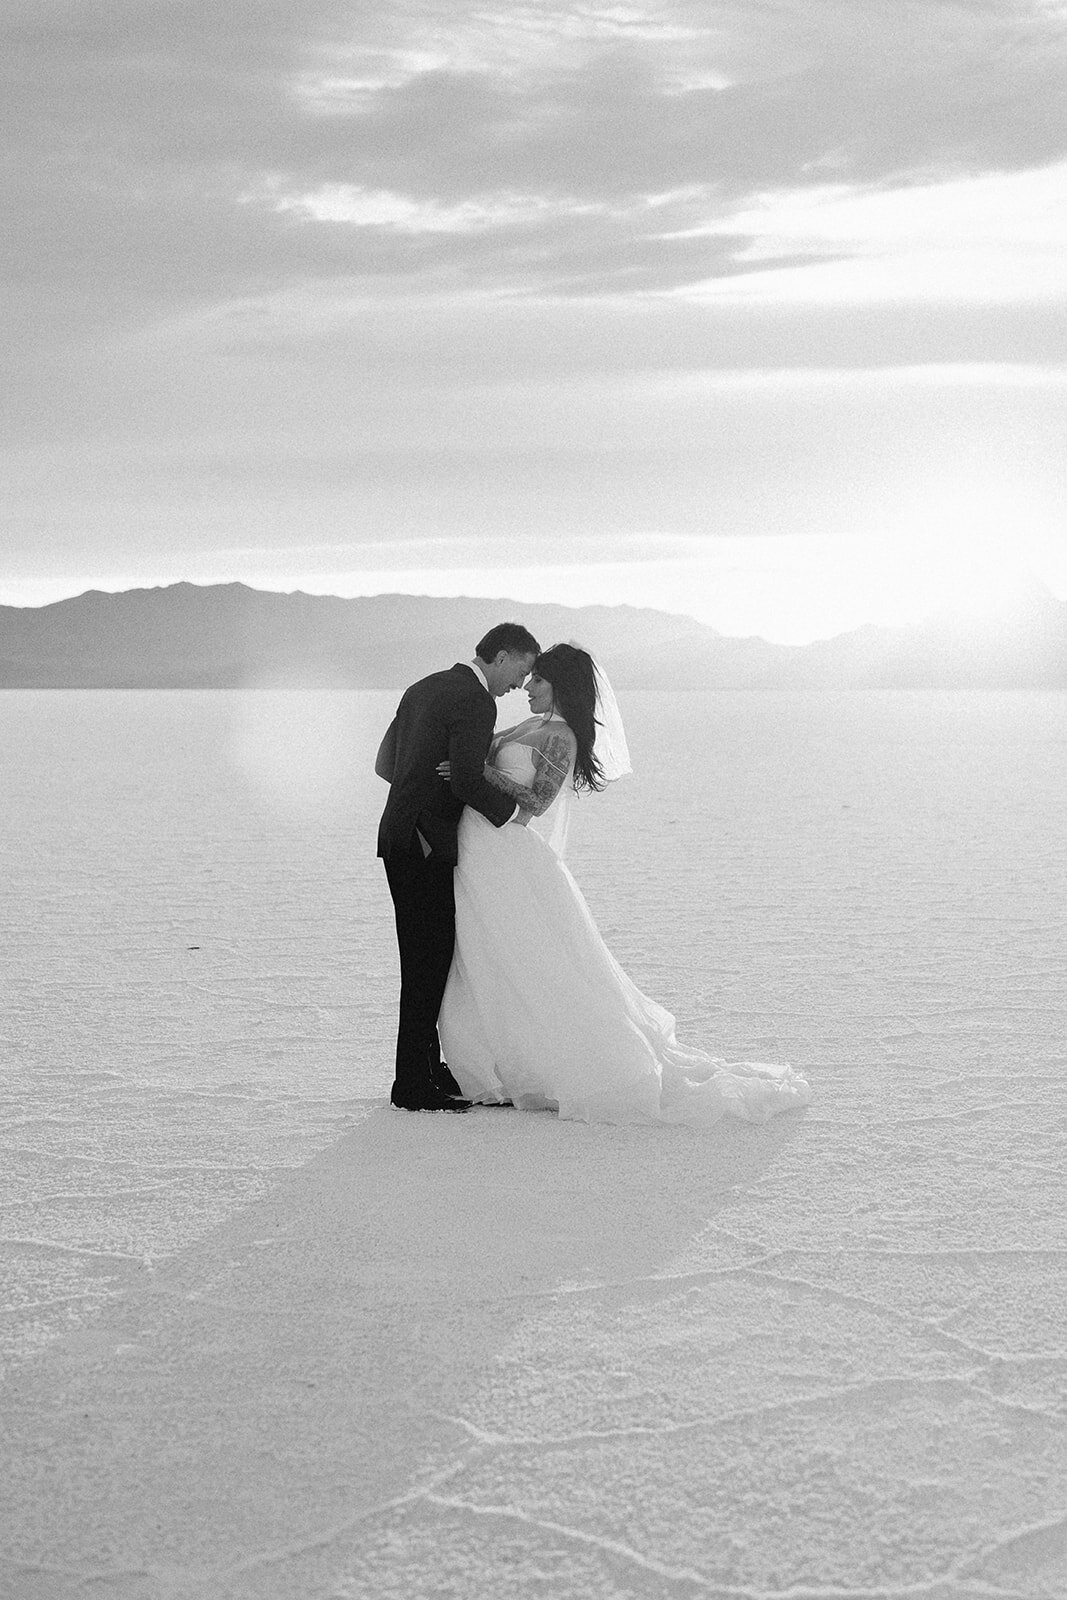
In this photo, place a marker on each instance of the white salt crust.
(268, 1338)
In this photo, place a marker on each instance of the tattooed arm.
(552, 763)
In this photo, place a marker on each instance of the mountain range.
(229, 636)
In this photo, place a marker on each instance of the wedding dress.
(538, 1011)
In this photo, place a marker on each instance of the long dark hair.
(572, 674)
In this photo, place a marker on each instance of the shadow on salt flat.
(324, 1345)
(517, 1196)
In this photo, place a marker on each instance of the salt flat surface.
(266, 1337)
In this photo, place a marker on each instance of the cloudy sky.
(753, 310)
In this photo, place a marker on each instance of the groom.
(449, 716)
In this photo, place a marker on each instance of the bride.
(537, 1012)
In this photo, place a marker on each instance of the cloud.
(874, 91)
(495, 283)
(224, 458)
(995, 237)
(184, 153)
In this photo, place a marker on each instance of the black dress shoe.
(430, 1100)
(444, 1083)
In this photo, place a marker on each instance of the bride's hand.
(444, 770)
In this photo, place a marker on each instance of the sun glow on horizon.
(971, 556)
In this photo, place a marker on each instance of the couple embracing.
(503, 973)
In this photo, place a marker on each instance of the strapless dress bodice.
(516, 761)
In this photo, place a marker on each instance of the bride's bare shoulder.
(557, 733)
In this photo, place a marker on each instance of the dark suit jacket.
(448, 716)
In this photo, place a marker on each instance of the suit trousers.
(424, 901)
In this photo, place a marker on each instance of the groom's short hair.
(509, 636)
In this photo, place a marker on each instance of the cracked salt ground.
(267, 1341)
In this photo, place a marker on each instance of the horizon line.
(620, 606)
